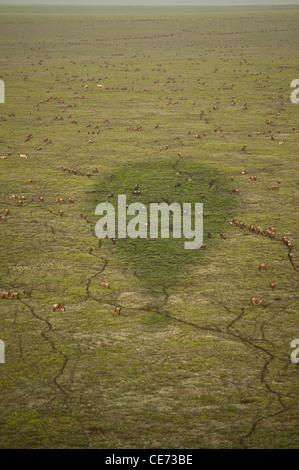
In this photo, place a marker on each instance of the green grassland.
(189, 363)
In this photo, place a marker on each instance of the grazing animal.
(222, 236)
(272, 285)
(4, 295)
(59, 307)
(117, 310)
(59, 199)
(104, 284)
(70, 200)
(40, 198)
(136, 192)
(13, 295)
(83, 216)
(27, 293)
(60, 212)
(264, 266)
(256, 300)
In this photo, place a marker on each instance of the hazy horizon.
(152, 2)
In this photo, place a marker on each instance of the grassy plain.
(189, 363)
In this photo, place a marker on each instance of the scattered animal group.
(269, 232)
(9, 295)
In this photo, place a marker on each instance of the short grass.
(189, 363)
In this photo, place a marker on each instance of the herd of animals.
(269, 232)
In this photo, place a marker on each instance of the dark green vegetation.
(160, 263)
(189, 362)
